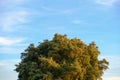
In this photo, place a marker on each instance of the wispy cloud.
(107, 2)
(48, 8)
(12, 14)
(112, 78)
(11, 50)
(77, 21)
(6, 3)
(7, 69)
(9, 41)
(12, 45)
(113, 72)
(55, 11)
(10, 19)
(2, 64)
(9, 63)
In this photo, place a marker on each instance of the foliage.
(61, 59)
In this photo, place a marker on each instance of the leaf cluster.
(61, 59)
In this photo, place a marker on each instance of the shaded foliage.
(61, 59)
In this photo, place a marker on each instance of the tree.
(61, 59)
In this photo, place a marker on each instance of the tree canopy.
(61, 59)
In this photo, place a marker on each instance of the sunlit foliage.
(61, 59)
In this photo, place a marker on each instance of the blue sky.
(31, 21)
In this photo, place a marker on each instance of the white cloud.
(12, 14)
(77, 21)
(9, 64)
(9, 41)
(56, 11)
(112, 78)
(11, 50)
(114, 67)
(2, 64)
(106, 2)
(8, 3)
(7, 69)
(11, 45)
(48, 8)
(9, 19)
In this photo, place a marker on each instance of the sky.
(31, 21)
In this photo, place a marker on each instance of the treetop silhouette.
(61, 59)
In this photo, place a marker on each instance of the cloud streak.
(11, 50)
(7, 69)
(9, 3)
(11, 45)
(9, 41)
(112, 78)
(12, 14)
(55, 11)
(113, 72)
(9, 63)
(106, 2)
(77, 21)
(10, 19)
